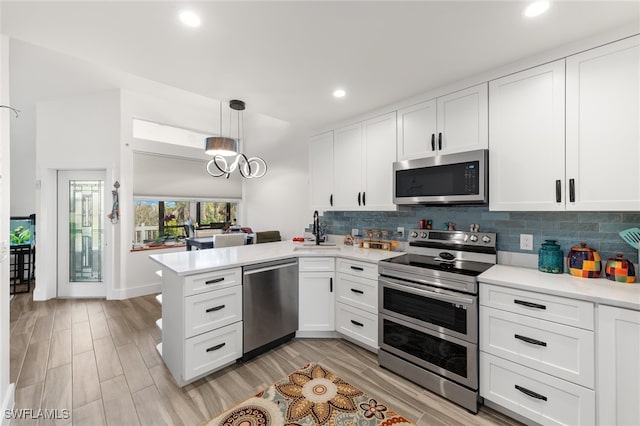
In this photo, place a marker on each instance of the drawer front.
(316, 264)
(206, 352)
(209, 281)
(357, 324)
(524, 391)
(357, 268)
(358, 292)
(559, 350)
(562, 310)
(214, 309)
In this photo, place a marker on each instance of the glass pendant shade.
(219, 145)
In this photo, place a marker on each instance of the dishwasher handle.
(269, 266)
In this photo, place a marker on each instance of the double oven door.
(433, 328)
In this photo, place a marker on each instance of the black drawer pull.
(216, 308)
(572, 190)
(331, 200)
(530, 340)
(216, 347)
(359, 198)
(440, 141)
(331, 285)
(433, 141)
(531, 393)
(357, 291)
(359, 324)
(558, 191)
(529, 304)
(215, 280)
(357, 268)
(364, 200)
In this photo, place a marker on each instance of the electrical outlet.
(355, 232)
(400, 232)
(526, 242)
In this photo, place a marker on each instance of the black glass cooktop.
(463, 267)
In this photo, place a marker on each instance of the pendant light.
(222, 147)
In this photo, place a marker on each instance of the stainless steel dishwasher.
(270, 305)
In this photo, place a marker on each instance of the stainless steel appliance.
(461, 178)
(428, 305)
(270, 305)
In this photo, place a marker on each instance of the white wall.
(6, 389)
(77, 133)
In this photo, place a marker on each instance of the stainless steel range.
(428, 304)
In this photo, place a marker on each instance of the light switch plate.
(400, 232)
(526, 242)
(354, 232)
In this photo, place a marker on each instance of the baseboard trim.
(8, 404)
(126, 293)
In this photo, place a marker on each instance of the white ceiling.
(285, 58)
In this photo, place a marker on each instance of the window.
(158, 221)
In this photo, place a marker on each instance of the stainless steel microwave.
(461, 178)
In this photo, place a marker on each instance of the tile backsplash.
(598, 229)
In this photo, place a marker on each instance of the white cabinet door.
(526, 124)
(417, 130)
(316, 302)
(618, 386)
(463, 120)
(379, 145)
(321, 171)
(603, 127)
(347, 162)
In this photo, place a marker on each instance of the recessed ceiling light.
(189, 18)
(339, 93)
(536, 8)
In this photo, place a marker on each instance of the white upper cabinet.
(321, 171)
(347, 160)
(603, 127)
(526, 124)
(455, 122)
(379, 144)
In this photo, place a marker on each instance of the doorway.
(81, 235)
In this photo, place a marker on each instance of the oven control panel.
(484, 239)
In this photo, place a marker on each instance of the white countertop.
(597, 290)
(198, 261)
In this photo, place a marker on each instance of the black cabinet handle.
(364, 200)
(530, 340)
(357, 291)
(572, 190)
(330, 284)
(558, 191)
(529, 304)
(359, 194)
(531, 393)
(217, 308)
(216, 280)
(359, 324)
(357, 268)
(331, 200)
(433, 141)
(216, 347)
(440, 141)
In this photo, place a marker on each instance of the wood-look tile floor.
(97, 359)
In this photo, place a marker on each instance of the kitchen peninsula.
(202, 306)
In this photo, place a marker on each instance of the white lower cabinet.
(357, 324)
(618, 366)
(316, 297)
(537, 396)
(201, 322)
(537, 355)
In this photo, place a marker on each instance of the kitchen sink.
(314, 247)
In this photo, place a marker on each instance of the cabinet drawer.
(357, 324)
(524, 391)
(358, 292)
(562, 351)
(214, 309)
(209, 281)
(208, 351)
(361, 269)
(566, 311)
(316, 264)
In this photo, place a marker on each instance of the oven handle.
(407, 287)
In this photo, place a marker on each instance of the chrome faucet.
(316, 227)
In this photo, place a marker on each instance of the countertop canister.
(550, 257)
(584, 261)
(620, 269)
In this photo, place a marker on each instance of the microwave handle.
(433, 141)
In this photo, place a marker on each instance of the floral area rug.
(310, 396)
